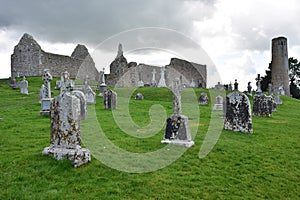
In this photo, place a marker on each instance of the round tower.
(280, 65)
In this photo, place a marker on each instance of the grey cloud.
(93, 21)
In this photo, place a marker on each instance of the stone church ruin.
(28, 59)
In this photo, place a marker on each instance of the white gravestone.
(162, 81)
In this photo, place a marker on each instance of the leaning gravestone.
(67, 110)
(219, 99)
(110, 100)
(238, 113)
(177, 128)
(46, 93)
(203, 99)
(24, 86)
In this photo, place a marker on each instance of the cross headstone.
(249, 89)
(45, 92)
(140, 82)
(219, 99)
(162, 81)
(177, 128)
(67, 110)
(236, 85)
(153, 81)
(102, 86)
(47, 77)
(258, 91)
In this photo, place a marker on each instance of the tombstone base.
(45, 107)
(45, 113)
(178, 131)
(187, 144)
(102, 90)
(77, 156)
(218, 107)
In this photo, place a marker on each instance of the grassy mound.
(264, 165)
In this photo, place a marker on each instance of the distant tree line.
(294, 76)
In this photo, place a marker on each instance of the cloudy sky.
(236, 35)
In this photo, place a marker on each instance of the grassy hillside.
(264, 165)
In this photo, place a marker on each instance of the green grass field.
(264, 165)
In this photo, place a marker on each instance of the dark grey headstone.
(238, 113)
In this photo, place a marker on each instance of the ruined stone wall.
(29, 59)
(279, 66)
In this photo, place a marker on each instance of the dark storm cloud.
(93, 21)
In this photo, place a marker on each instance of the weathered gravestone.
(162, 81)
(139, 96)
(110, 100)
(102, 86)
(67, 110)
(153, 81)
(238, 113)
(193, 84)
(24, 86)
(140, 82)
(45, 93)
(13, 84)
(219, 99)
(262, 104)
(177, 128)
(203, 99)
(249, 89)
(90, 95)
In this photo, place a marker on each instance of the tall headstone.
(230, 86)
(249, 89)
(219, 99)
(24, 86)
(110, 100)
(46, 93)
(193, 84)
(102, 86)
(258, 90)
(177, 127)
(162, 81)
(67, 110)
(280, 65)
(203, 99)
(153, 81)
(270, 89)
(238, 113)
(140, 82)
(90, 95)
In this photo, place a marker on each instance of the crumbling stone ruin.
(29, 59)
(124, 74)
